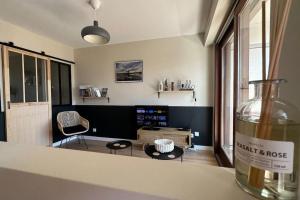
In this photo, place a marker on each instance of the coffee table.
(118, 145)
(176, 153)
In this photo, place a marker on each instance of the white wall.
(290, 57)
(175, 58)
(29, 40)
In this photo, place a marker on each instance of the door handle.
(8, 104)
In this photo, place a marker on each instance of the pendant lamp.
(95, 34)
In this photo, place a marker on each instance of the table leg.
(181, 158)
(131, 150)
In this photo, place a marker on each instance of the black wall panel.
(2, 127)
(197, 118)
(110, 121)
(119, 121)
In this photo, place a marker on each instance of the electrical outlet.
(196, 134)
(94, 130)
(192, 135)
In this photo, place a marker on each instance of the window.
(28, 78)
(224, 98)
(16, 73)
(254, 43)
(61, 83)
(42, 80)
(242, 55)
(227, 97)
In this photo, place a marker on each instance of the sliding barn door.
(27, 96)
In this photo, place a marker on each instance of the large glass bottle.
(267, 151)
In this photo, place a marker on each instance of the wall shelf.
(177, 91)
(99, 98)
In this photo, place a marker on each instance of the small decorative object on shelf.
(166, 87)
(160, 86)
(179, 84)
(187, 86)
(172, 86)
(267, 143)
(97, 92)
(84, 90)
(89, 92)
(104, 92)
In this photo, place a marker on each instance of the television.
(152, 116)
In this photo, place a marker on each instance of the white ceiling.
(125, 20)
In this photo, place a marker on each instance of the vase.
(267, 140)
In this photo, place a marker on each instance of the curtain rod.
(42, 53)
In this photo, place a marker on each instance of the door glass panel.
(227, 112)
(55, 83)
(65, 84)
(251, 60)
(30, 78)
(16, 77)
(42, 79)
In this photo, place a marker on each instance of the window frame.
(233, 22)
(220, 155)
(59, 83)
(35, 57)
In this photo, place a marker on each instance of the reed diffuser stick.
(264, 128)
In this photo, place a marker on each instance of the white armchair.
(70, 123)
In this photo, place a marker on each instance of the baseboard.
(57, 144)
(200, 147)
(106, 139)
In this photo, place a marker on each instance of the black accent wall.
(120, 122)
(110, 121)
(199, 119)
(2, 127)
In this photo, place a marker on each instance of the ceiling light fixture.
(95, 34)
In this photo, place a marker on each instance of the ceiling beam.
(218, 14)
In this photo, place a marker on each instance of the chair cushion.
(74, 129)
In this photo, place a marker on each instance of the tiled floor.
(190, 155)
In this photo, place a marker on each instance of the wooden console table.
(180, 138)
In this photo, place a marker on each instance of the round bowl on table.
(164, 145)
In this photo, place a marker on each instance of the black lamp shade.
(95, 34)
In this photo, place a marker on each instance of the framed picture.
(129, 71)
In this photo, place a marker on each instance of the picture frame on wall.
(129, 71)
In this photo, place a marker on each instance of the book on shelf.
(104, 92)
(89, 91)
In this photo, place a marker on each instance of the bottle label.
(274, 156)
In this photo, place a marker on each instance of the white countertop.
(27, 171)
